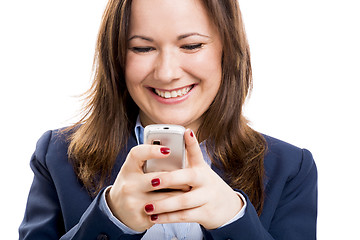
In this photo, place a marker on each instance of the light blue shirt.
(169, 231)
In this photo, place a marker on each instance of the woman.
(182, 62)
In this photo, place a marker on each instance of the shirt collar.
(139, 131)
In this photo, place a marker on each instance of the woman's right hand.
(130, 191)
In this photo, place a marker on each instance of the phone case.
(168, 135)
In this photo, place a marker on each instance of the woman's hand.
(132, 188)
(210, 202)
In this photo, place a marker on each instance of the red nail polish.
(191, 134)
(149, 208)
(154, 217)
(155, 182)
(165, 150)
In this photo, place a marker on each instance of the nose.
(167, 67)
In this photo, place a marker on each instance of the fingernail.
(165, 150)
(155, 182)
(154, 217)
(192, 134)
(149, 208)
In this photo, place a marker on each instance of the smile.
(173, 93)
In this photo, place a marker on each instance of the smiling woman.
(183, 62)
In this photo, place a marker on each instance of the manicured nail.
(192, 134)
(165, 150)
(149, 208)
(155, 182)
(154, 217)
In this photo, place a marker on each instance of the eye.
(142, 49)
(192, 46)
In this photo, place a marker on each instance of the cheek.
(205, 66)
(136, 68)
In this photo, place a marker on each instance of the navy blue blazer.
(59, 207)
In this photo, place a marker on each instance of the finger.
(141, 153)
(153, 197)
(186, 215)
(183, 179)
(194, 154)
(179, 201)
(154, 183)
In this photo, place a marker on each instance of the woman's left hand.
(210, 202)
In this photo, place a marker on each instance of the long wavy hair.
(110, 113)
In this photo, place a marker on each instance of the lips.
(173, 93)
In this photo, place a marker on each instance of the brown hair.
(110, 113)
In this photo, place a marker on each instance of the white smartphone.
(168, 135)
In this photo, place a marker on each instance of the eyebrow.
(191, 34)
(178, 38)
(141, 37)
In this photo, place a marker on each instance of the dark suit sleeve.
(42, 218)
(43, 215)
(294, 217)
(95, 223)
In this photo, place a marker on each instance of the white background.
(305, 58)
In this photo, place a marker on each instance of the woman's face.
(173, 64)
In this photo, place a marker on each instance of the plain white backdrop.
(305, 57)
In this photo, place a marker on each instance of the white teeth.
(173, 94)
(167, 95)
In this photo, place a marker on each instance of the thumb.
(139, 154)
(193, 151)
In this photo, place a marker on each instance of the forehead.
(154, 16)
